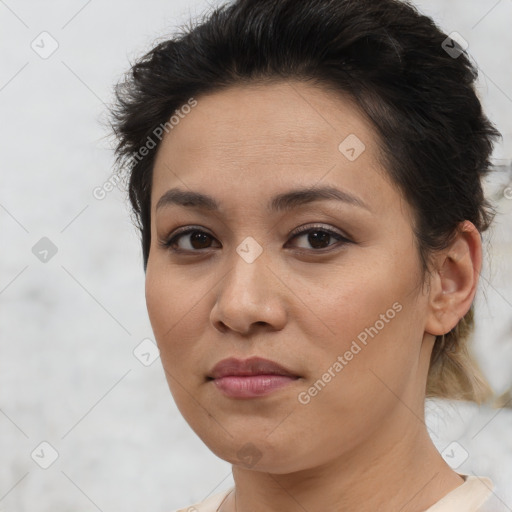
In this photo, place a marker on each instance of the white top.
(467, 497)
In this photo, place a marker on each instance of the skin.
(361, 442)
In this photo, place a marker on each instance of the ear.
(455, 280)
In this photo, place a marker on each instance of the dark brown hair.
(414, 84)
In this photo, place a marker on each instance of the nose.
(249, 296)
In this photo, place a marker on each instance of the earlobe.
(454, 283)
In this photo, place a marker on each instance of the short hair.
(408, 78)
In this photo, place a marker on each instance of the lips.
(248, 367)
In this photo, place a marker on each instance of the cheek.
(349, 398)
(176, 310)
(353, 299)
(160, 301)
(175, 320)
(370, 316)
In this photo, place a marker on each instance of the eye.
(197, 239)
(318, 236)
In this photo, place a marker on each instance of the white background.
(69, 326)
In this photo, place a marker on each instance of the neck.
(398, 468)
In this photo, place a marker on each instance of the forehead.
(256, 116)
(251, 138)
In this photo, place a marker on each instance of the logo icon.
(454, 454)
(351, 147)
(249, 455)
(45, 45)
(146, 352)
(249, 249)
(44, 455)
(44, 250)
(454, 45)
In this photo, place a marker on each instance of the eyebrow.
(281, 202)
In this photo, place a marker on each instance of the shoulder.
(468, 497)
(210, 504)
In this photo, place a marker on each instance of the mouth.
(252, 386)
(233, 367)
(250, 378)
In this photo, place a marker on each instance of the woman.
(306, 178)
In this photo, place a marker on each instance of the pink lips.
(250, 378)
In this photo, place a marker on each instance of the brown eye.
(197, 240)
(318, 237)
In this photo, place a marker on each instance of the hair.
(435, 142)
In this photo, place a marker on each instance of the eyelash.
(168, 243)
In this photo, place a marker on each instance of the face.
(339, 304)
